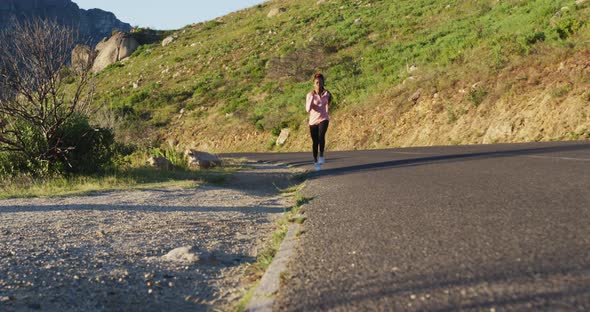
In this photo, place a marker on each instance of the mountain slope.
(93, 24)
(403, 73)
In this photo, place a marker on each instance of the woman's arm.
(308, 102)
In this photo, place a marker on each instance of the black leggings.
(318, 136)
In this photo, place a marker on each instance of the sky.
(167, 14)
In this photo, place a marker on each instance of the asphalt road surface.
(474, 228)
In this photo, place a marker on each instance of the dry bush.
(35, 107)
(298, 65)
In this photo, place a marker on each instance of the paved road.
(485, 228)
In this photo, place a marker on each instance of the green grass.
(243, 64)
(126, 179)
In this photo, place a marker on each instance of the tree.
(40, 95)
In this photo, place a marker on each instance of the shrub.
(176, 157)
(562, 90)
(566, 27)
(298, 65)
(90, 150)
(83, 149)
(113, 67)
(477, 95)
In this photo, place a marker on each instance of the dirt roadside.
(111, 251)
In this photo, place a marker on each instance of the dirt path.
(111, 251)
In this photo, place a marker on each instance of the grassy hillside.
(402, 73)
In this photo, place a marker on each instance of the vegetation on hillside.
(246, 74)
(48, 144)
(43, 129)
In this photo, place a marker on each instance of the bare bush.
(39, 93)
(298, 65)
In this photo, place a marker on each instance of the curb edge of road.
(264, 295)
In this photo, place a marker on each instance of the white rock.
(276, 11)
(202, 160)
(181, 254)
(117, 48)
(159, 162)
(167, 41)
(283, 136)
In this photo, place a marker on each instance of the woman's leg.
(314, 131)
(323, 128)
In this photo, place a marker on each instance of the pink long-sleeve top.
(317, 106)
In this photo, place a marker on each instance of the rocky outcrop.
(161, 163)
(93, 25)
(116, 48)
(202, 160)
(168, 41)
(83, 57)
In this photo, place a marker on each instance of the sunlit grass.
(128, 179)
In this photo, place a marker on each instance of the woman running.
(317, 105)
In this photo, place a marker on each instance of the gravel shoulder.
(111, 251)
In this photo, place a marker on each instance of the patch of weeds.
(113, 66)
(300, 176)
(263, 260)
(562, 90)
(243, 303)
(451, 116)
(123, 179)
(581, 135)
(566, 27)
(272, 142)
(284, 277)
(301, 200)
(477, 95)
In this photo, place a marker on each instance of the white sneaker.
(321, 161)
(317, 166)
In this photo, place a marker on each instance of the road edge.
(264, 295)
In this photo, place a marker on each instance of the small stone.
(181, 254)
(150, 291)
(6, 298)
(413, 297)
(150, 284)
